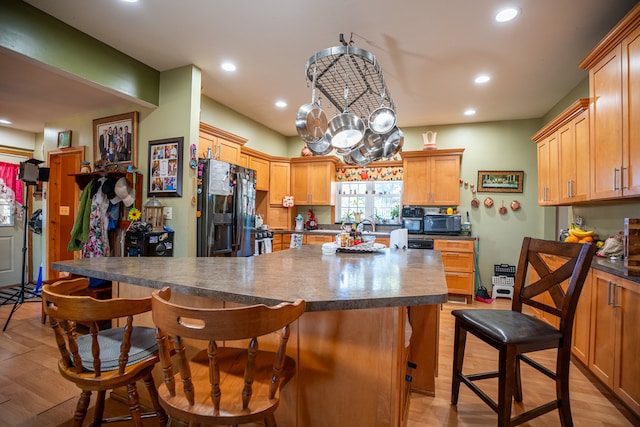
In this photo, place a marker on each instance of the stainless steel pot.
(345, 130)
(360, 155)
(393, 142)
(321, 147)
(382, 119)
(373, 143)
(311, 122)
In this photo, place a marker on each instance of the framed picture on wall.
(115, 140)
(500, 181)
(64, 139)
(165, 167)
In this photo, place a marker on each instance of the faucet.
(369, 221)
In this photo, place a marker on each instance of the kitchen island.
(351, 344)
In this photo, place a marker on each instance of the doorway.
(62, 203)
(12, 229)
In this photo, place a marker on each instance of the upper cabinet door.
(631, 113)
(605, 82)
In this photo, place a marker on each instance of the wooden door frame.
(50, 251)
(27, 193)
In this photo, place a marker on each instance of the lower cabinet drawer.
(459, 283)
(457, 261)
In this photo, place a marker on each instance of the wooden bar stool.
(104, 359)
(222, 384)
(513, 333)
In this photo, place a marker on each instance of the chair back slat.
(570, 275)
(66, 311)
(175, 323)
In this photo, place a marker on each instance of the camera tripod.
(19, 295)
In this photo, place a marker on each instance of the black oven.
(420, 243)
(412, 219)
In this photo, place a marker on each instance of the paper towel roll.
(398, 239)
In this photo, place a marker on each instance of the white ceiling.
(429, 51)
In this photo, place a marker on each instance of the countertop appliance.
(226, 209)
(263, 242)
(420, 243)
(412, 219)
(442, 224)
(148, 243)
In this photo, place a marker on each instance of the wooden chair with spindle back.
(222, 384)
(106, 359)
(514, 333)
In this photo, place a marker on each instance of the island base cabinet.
(351, 364)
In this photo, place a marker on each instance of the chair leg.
(562, 388)
(506, 384)
(134, 405)
(81, 408)
(98, 411)
(460, 339)
(517, 386)
(153, 394)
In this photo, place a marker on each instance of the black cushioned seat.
(509, 327)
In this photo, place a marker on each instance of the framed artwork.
(165, 167)
(64, 139)
(500, 181)
(115, 140)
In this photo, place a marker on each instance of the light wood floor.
(32, 393)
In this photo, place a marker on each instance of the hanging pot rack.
(357, 69)
(351, 80)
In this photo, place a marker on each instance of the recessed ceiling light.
(482, 78)
(130, 1)
(507, 14)
(281, 104)
(228, 66)
(5, 122)
(469, 112)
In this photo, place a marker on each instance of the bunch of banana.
(576, 231)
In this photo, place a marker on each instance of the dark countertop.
(379, 233)
(615, 267)
(389, 278)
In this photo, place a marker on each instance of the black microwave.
(441, 224)
(413, 225)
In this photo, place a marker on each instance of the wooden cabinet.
(279, 181)
(563, 157)
(615, 348)
(224, 146)
(313, 181)
(614, 88)
(547, 170)
(459, 265)
(431, 178)
(318, 239)
(259, 162)
(581, 340)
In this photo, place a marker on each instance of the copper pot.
(515, 205)
(488, 202)
(503, 209)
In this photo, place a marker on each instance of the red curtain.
(9, 174)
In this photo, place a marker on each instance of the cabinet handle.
(609, 292)
(622, 175)
(615, 179)
(614, 304)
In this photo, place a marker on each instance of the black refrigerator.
(226, 209)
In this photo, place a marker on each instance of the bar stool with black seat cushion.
(513, 333)
(102, 360)
(223, 385)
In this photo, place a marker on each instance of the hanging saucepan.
(345, 130)
(373, 143)
(311, 122)
(382, 119)
(360, 155)
(321, 147)
(393, 142)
